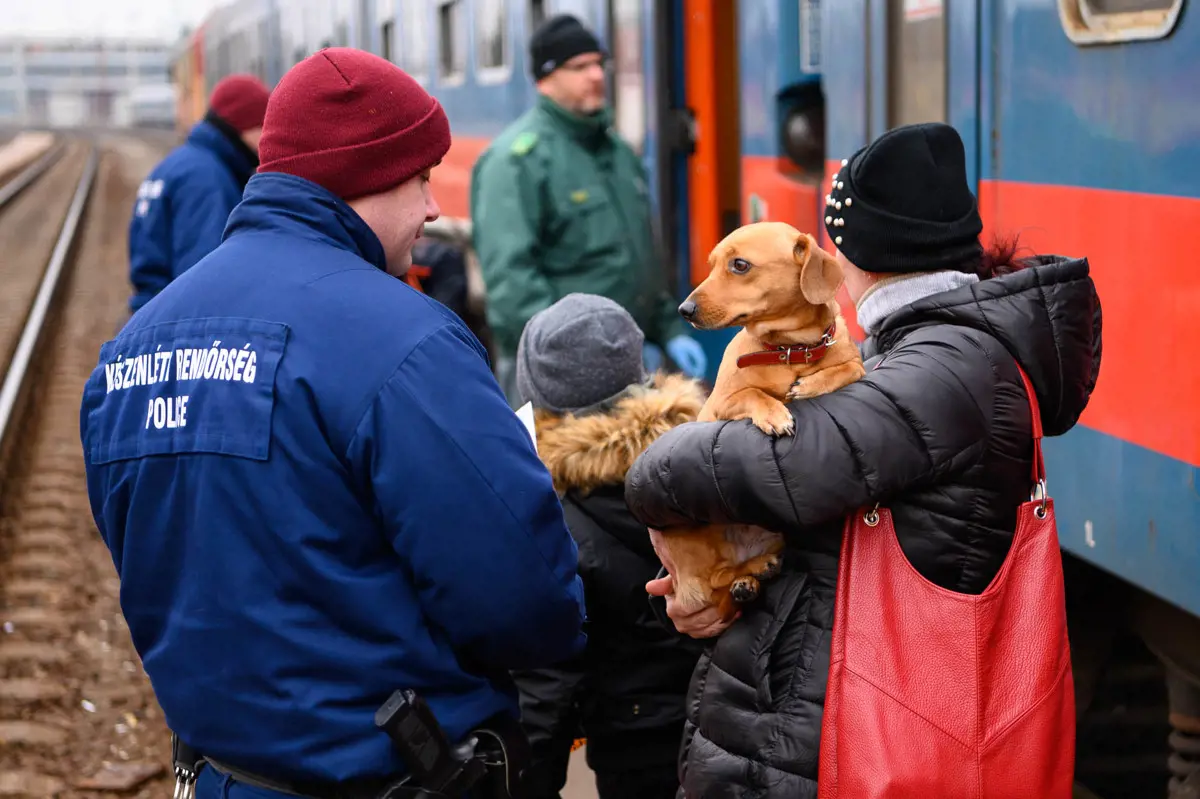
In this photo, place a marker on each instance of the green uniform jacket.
(559, 204)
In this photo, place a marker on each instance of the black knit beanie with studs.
(556, 41)
(902, 204)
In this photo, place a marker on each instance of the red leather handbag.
(934, 693)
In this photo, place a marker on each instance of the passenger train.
(1082, 136)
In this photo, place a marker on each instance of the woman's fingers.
(703, 623)
(662, 586)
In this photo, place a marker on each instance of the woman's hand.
(706, 622)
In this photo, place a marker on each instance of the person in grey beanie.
(579, 362)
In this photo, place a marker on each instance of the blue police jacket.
(182, 207)
(315, 493)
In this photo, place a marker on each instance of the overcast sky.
(153, 18)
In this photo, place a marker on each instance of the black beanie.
(556, 41)
(902, 204)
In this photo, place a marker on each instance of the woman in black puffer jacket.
(939, 431)
(580, 364)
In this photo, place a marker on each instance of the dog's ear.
(820, 274)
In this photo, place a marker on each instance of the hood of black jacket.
(1047, 315)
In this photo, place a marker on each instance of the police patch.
(195, 386)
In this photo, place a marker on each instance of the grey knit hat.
(580, 355)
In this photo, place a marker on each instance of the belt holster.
(502, 747)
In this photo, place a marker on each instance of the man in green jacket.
(560, 204)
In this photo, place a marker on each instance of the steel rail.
(25, 178)
(39, 312)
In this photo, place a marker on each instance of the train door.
(713, 96)
(646, 90)
(693, 142)
(628, 27)
(897, 62)
(677, 100)
(930, 53)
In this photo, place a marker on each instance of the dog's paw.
(798, 391)
(744, 589)
(774, 420)
(770, 568)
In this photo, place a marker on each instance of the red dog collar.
(790, 355)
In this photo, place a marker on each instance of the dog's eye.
(739, 266)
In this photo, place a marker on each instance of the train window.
(386, 31)
(363, 14)
(491, 39)
(1108, 21)
(629, 74)
(916, 62)
(452, 35)
(413, 55)
(537, 14)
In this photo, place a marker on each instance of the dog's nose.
(687, 309)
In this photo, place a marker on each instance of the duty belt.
(189, 763)
(502, 751)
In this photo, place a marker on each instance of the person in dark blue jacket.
(182, 206)
(312, 487)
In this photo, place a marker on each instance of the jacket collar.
(591, 131)
(584, 453)
(233, 153)
(287, 204)
(887, 296)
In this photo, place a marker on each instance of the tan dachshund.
(779, 286)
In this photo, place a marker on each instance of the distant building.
(62, 82)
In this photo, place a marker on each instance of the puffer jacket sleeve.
(470, 509)
(923, 413)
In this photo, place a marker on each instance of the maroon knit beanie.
(353, 123)
(240, 100)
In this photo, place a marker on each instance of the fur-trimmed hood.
(586, 452)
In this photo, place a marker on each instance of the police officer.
(560, 204)
(182, 206)
(312, 487)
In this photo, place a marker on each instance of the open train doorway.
(714, 97)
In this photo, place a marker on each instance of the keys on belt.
(188, 763)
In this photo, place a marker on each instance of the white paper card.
(525, 414)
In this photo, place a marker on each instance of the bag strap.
(1039, 465)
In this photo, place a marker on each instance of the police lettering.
(168, 412)
(228, 364)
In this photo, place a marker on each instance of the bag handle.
(1039, 465)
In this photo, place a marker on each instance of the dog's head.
(766, 276)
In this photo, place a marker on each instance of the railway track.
(77, 715)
